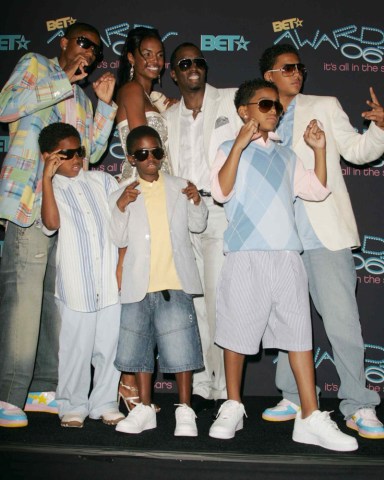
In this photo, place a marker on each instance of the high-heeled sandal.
(130, 401)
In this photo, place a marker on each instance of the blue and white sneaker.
(366, 423)
(284, 410)
(12, 416)
(41, 402)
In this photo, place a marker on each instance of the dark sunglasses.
(266, 105)
(71, 152)
(289, 69)
(186, 63)
(143, 153)
(85, 43)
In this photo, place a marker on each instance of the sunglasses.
(186, 63)
(266, 105)
(71, 152)
(143, 153)
(289, 69)
(85, 43)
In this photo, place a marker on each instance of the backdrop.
(342, 46)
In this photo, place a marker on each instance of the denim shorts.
(164, 319)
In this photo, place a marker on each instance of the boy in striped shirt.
(75, 203)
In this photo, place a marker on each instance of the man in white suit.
(197, 125)
(328, 232)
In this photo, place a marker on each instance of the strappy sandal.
(131, 402)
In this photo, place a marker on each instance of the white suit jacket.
(333, 220)
(131, 229)
(221, 123)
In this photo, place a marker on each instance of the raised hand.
(377, 113)
(249, 131)
(104, 87)
(128, 196)
(314, 136)
(75, 68)
(52, 162)
(192, 193)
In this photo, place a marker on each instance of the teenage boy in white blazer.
(328, 231)
(203, 119)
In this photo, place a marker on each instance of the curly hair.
(269, 56)
(51, 135)
(247, 90)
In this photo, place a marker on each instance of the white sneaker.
(366, 423)
(185, 421)
(320, 429)
(142, 417)
(283, 411)
(228, 421)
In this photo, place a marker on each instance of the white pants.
(88, 339)
(208, 249)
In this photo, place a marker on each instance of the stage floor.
(261, 450)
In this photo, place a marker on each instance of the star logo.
(242, 44)
(298, 22)
(39, 398)
(23, 43)
(71, 21)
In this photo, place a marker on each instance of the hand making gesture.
(128, 196)
(377, 113)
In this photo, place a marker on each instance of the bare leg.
(184, 386)
(234, 363)
(144, 380)
(128, 389)
(304, 372)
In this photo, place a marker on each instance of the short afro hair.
(138, 133)
(247, 90)
(51, 135)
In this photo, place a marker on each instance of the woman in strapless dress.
(141, 65)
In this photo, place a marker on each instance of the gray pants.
(332, 284)
(29, 320)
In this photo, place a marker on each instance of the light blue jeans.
(332, 286)
(29, 319)
(166, 319)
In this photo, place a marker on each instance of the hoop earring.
(131, 72)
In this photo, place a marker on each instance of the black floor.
(262, 450)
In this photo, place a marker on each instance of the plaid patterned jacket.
(37, 94)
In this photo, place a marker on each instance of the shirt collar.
(64, 182)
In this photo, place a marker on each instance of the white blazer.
(221, 123)
(333, 220)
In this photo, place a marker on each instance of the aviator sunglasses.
(85, 43)
(71, 152)
(143, 153)
(266, 105)
(185, 63)
(289, 69)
